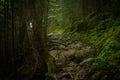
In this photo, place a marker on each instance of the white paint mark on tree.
(31, 25)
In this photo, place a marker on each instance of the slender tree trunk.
(12, 24)
(84, 8)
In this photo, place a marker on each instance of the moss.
(103, 33)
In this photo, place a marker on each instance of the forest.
(59, 40)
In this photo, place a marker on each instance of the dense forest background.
(24, 25)
(95, 22)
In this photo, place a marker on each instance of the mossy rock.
(79, 56)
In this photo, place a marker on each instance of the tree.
(24, 53)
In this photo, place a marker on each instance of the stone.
(86, 61)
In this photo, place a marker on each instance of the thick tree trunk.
(29, 57)
(37, 33)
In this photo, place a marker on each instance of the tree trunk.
(29, 57)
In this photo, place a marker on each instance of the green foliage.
(54, 14)
(108, 49)
(101, 28)
(105, 35)
(54, 29)
(107, 63)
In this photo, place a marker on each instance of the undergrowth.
(105, 36)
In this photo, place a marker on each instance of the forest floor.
(72, 57)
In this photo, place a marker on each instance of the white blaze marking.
(31, 25)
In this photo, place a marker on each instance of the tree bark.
(29, 58)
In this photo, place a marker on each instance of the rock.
(62, 47)
(54, 53)
(79, 55)
(73, 64)
(73, 58)
(68, 69)
(86, 61)
(50, 34)
(65, 76)
(76, 45)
